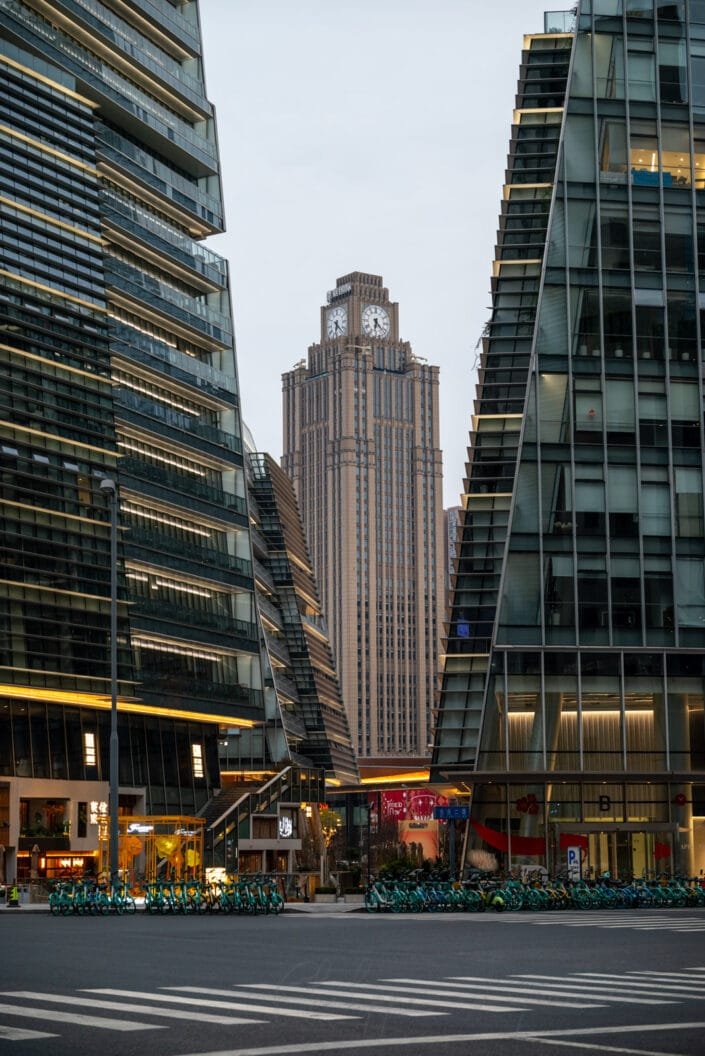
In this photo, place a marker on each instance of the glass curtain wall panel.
(118, 361)
(580, 586)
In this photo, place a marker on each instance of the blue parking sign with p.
(574, 863)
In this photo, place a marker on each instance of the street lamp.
(108, 486)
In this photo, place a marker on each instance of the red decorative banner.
(533, 846)
(662, 850)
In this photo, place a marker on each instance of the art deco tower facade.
(572, 704)
(361, 447)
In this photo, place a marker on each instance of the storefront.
(624, 828)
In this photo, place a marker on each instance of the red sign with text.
(406, 804)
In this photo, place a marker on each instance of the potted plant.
(325, 894)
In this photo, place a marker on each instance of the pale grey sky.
(369, 135)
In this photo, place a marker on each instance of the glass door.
(625, 853)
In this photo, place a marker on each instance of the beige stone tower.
(361, 447)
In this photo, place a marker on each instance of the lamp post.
(369, 842)
(108, 486)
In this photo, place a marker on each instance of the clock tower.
(361, 448)
(359, 307)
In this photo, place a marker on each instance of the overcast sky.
(363, 135)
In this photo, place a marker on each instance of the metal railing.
(182, 482)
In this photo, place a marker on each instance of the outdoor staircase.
(228, 815)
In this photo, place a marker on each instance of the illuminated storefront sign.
(406, 804)
(96, 809)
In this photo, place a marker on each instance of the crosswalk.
(676, 920)
(335, 1000)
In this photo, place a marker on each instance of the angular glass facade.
(118, 358)
(572, 700)
(304, 683)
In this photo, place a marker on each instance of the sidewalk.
(320, 909)
(25, 907)
(324, 908)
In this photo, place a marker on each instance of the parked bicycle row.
(477, 896)
(90, 898)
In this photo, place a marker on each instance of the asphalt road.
(623, 983)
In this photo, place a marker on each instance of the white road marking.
(22, 1034)
(450, 1039)
(252, 995)
(687, 973)
(602, 994)
(556, 984)
(234, 1006)
(77, 1019)
(376, 996)
(468, 987)
(633, 981)
(603, 1048)
(124, 1006)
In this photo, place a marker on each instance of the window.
(90, 754)
(622, 501)
(641, 73)
(197, 760)
(647, 239)
(672, 76)
(689, 502)
(613, 156)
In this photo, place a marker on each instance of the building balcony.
(168, 683)
(103, 22)
(176, 420)
(194, 618)
(170, 302)
(271, 612)
(181, 191)
(145, 538)
(106, 83)
(182, 482)
(145, 349)
(286, 686)
(166, 240)
(166, 16)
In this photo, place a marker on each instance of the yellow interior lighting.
(394, 779)
(102, 702)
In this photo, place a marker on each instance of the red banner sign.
(406, 804)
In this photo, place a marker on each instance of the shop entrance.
(624, 851)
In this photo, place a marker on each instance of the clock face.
(375, 321)
(337, 322)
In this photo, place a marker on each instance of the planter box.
(325, 898)
(358, 897)
(44, 843)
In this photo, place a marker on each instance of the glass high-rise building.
(116, 342)
(572, 701)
